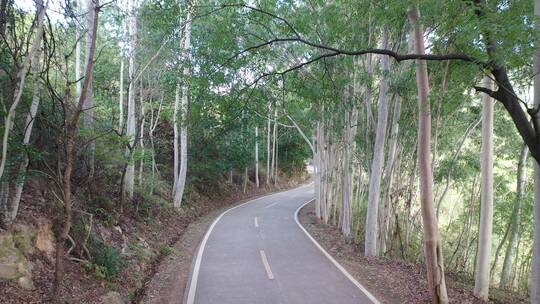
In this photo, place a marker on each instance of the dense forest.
(419, 118)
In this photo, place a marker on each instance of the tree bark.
(535, 273)
(481, 278)
(388, 173)
(141, 136)
(89, 102)
(378, 160)
(129, 177)
(506, 272)
(121, 97)
(179, 190)
(268, 126)
(432, 240)
(10, 201)
(69, 145)
(257, 157)
(346, 202)
(21, 75)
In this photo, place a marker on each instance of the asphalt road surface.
(258, 253)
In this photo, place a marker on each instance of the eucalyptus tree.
(481, 287)
(186, 62)
(378, 158)
(129, 175)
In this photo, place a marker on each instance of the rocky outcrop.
(17, 245)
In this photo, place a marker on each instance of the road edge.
(338, 266)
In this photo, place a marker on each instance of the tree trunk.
(268, 126)
(141, 136)
(432, 240)
(11, 201)
(274, 137)
(69, 145)
(535, 273)
(390, 164)
(378, 159)
(506, 272)
(121, 97)
(257, 157)
(89, 102)
(129, 177)
(21, 75)
(346, 203)
(179, 189)
(245, 179)
(481, 277)
(78, 51)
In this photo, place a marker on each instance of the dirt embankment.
(145, 255)
(390, 281)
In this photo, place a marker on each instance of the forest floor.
(391, 281)
(148, 244)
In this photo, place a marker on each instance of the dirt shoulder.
(390, 281)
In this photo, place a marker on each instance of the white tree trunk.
(483, 258)
(89, 102)
(432, 240)
(257, 157)
(11, 201)
(129, 177)
(268, 126)
(21, 75)
(176, 131)
(274, 136)
(378, 159)
(388, 173)
(535, 273)
(78, 52)
(506, 272)
(179, 190)
(346, 201)
(121, 97)
(141, 136)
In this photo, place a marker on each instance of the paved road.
(257, 253)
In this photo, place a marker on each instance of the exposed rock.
(26, 283)
(45, 238)
(24, 236)
(13, 263)
(112, 297)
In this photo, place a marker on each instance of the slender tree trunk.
(535, 273)
(346, 203)
(69, 145)
(141, 136)
(121, 97)
(21, 75)
(268, 126)
(129, 177)
(78, 51)
(506, 272)
(432, 240)
(257, 157)
(179, 190)
(245, 179)
(274, 137)
(11, 201)
(176, 145)
(481, 278)
(390, 164)
(378, 159)
(89, 102)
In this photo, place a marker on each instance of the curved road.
(257, 253)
